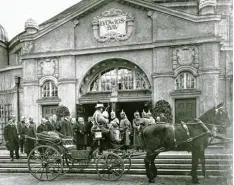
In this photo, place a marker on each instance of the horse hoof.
(151, 181)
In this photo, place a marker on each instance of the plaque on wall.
(113, 25)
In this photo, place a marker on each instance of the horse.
(219, 117)
(192, 137)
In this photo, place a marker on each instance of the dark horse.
(192, 136)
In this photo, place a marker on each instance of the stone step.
(133, 166)
(132, 171)
(141, 161)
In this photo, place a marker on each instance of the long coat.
(80, 133)
(125, 127)
(137, 141)
(20, 127)
(11, 137)
(41, 128)
(66, 128)
(29, 143)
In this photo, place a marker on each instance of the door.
(185, 110)
(48, 110)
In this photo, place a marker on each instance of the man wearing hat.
(11, 137)
(100, 122)
(125, 127)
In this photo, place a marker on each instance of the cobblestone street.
(27, 179)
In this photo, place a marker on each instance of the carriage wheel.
(45, 163)
(109, 166)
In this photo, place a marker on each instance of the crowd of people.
(18, 136)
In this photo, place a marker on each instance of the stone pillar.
(67, 83)
(207, 7)
(30, 90)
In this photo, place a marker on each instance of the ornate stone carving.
(48, 67)
(27, 47)
(113, 25)
(185, 56)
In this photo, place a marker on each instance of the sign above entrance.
(113, 25)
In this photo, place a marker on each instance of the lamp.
(17, 80)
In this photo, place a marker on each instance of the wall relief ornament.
(27, 47)
(48, 67)
(113, 25)
(185, 56)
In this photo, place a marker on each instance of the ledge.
(49, 100)
(8, 68)
(123, 96)
(185, 93)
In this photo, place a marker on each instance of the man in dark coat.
(49, 125)
(21, 126)
(88, 126)
(80, 132)
(11, 137)
(66, 127)
(28, 143)
(33, 124)
(42, 127)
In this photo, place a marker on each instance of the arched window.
(49, 89)
(123, 78)
(185, 80)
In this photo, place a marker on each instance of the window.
(17, 57)
(123, 78)
(1, 111)
(185, 81)
(49, 89)
(223, 29)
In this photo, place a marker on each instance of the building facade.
(125, 53)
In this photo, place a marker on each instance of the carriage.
(56, 154)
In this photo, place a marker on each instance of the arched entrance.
(117, 82)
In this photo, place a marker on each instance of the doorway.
(185, 110)
(48, 110)
(129, 108)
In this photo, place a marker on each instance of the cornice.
(30, 83)
(49, 101)
(132, 47)
(185, 93)
(179, 14)
(66, 81)
(209, 71)
(8, 68)
(136, 3)
(56, 24)
(163, 75)
(3, 44)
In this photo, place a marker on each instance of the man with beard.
(42, 127)
(12, 138)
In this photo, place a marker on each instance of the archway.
(117, 82)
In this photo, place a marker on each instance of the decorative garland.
(162, 106)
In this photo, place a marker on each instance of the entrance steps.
(218, 163)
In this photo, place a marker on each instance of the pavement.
(82, 179)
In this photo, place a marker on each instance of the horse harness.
(189, 138)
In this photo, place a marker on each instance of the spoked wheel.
(45, 163)
(109, 166)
